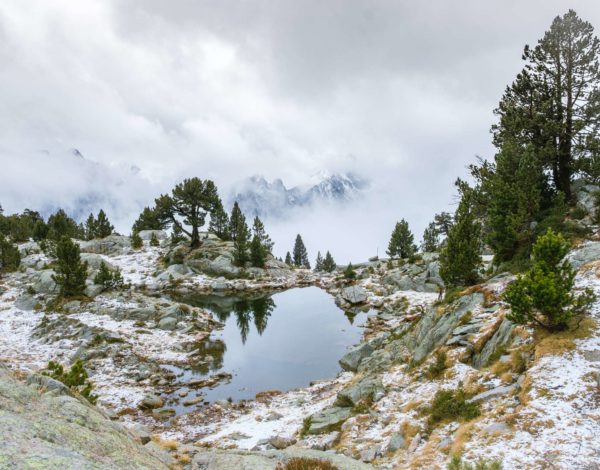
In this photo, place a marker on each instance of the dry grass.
(409, 430)
(524, 396)
(167, 444)
(303, 463)
(463, 435)
(554, 344)
(412, 405)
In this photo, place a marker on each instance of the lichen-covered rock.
(501, 337)
(367, 388)
(45, 284)
(354, 294)
(328, 420)
(588, 252)
(43, 430)
(267, 460)
(111, 245)
(352, 358)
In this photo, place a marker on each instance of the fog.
(151, 92)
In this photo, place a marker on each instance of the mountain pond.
(277, 341)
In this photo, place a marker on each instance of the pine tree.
(176, 235)
(261, 244)
(149, 219)
(90, 227)
(319, 262)
(430, 239)
(40, 231)
(443, 223)
(328, 263)
(300, 255)
(71, 273)
(103, 227)
(219, 222)
(61, 225)
(460, 258)
(136, 241)
(107, 278)
(349, 272)
(154, 240)
(236, 219)
(10, 258)
(240, 241)
(288, 259)
(544, 295)
(402, 241)
(189, 204)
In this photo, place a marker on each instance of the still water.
(277, 342)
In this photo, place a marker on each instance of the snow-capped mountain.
(257, 196)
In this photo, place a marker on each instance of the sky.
(150, 92)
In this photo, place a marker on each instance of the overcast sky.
(150, 91)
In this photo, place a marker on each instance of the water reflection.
(246, 311)
(276, 341)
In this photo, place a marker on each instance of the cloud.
(399, 92)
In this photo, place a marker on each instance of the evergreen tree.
(154, 240)
(402, 241)
(460, 258)
(103, 227)
(261, 244)
(71, 273)
(61, 225)
(544, 295)
(328, 263)
(90, 227)
(443, 223)
(552, 106)
(149, 219)
(240, 241)
(219, 222)
(10, 259)
(107, 278)
(349, 272)
(40, 231)
(430, 239)
(188, 204)
(288, 259)
(236, 220)
(300, 255)
(319, 262)
(136, 241)
(176, 235)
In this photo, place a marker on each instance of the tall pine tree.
(328, 263)
(401, 242)
(300, 255)
(219, 222)
(460, 259)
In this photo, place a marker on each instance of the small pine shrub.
(456, 463)
(451, 405)
(76, 379)
(350, 273)
(136, 241)
(154, 240)
(109, 279)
